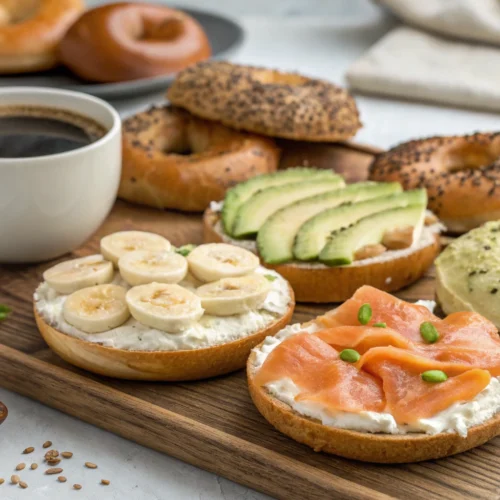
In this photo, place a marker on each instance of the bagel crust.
(188, 364)
(267, 102)
(322, 284)
(155, 171)
(367, 447)
(125, 41)
(31, 30)
(461, 175)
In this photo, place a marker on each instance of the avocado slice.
(237, 195)
(313, 234)
(254, 212)
(370, 230)
(276, 237)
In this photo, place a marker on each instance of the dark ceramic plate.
(3, 412)
(225, 36)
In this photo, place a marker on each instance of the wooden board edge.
(238, 460)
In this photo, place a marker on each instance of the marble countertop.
(317, 37)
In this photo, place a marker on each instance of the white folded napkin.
(415, 65)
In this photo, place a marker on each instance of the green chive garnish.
(270, 277)
(380, 325)
(365, 314)
(185, 250)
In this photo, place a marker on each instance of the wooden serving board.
(213, 424)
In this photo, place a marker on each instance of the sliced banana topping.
(166, 307)
(72, 275)
(145, 266)
(230, 296)
(97, 309)
(214, 261)
(116, 245)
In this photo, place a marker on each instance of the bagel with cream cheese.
(172, 159)
(359, 390)
(268, 102)
(461, 175)
(142, 311)
(30, 31)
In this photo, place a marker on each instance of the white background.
(319, 38)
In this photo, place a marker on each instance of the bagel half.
(188, 364)
(321, 284)
(367, 447)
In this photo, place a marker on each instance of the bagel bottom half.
(367, 447)
(321, 284)
(189, 364)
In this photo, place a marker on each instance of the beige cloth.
(468, 19)
(411, 64)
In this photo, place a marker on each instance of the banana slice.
(97, 309)
(166, 307)
(115, 245)
(72, 275)
(230, 296)
(214, 261)
(144, 266)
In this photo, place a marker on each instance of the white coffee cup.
(50, 205)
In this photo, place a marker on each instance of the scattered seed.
(29, 450)
(365, 314)
(14, 479)
(349, 355)
(34, 466)
(23, 485)
(53, 461)
(66, 454)
(90, 465)
(434, 376)
(51, 454)
(105, 481)
(61, 479)
(47, 444)
(2, 480)
(77, 486)
(20, 466)
(53, 470)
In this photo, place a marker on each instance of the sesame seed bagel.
(314, 282)
(266, 101)
(378, 448)
(461, 175)
(172, 159)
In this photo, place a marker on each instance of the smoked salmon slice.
(408, 397)
(321, 375)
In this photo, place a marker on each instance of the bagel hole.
(166, 30)
(470, 156)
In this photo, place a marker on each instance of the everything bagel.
(461, 175)
(128, 41)
(267, 102)
(30, 31)
(174, 160)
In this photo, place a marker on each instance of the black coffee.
(28, 131)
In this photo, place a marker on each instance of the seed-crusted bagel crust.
(461, 175)
(379, 448)
(171, 159)
(323, 284)
(266, 101)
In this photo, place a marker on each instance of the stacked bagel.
(226, 131)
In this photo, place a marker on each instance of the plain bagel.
(321, 284)
(379, 448)
(127, 41)
(172, 159)
(461, 175)
(30, 31)
(268, 102)
(192, 364)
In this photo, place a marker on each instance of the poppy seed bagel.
(268, 102)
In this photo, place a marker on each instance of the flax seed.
(20, 466)
(34, 466)
(2, 480)
(54, 470)
(23, 485)
(66, 454)
(14, 479)
(77, 486)
(29, 450)
(105, 481)
(47, 444)
(53, 461)
(90, 465)
(61, 479)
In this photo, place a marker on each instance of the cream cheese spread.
(457, 418)
(207, 332)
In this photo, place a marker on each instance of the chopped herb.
(380, 325)
(270, 277)
(185, 250)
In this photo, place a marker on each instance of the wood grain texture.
(213, 424)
